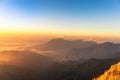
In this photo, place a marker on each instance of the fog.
(58, 59)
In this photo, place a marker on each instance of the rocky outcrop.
(112, 74)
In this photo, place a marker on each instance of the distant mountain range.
(79, 49)
(62, 44)
(59, 59)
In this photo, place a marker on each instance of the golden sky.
(22, 19)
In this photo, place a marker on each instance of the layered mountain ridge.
(80, 49)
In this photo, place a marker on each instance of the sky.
(70, 17)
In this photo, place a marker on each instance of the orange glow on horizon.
(21, 35)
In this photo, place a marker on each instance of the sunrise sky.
(66, 17)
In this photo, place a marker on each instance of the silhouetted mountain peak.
(62, 44)
(64, 41)
(108, 43)
(57, 40)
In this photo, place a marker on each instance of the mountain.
(62, 49)
(62, 44)
(99, 51)
(67, 60)
(28, 65)
(111, 74)
(79, 71)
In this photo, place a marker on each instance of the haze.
(58, 39)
